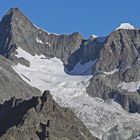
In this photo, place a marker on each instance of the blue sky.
(88, 17)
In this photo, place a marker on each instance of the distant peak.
(99, 39)
(7, 19)
(11, 14)
(126, 26)
(12, 17)
(92, 37)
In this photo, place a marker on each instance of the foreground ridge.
(40, 118)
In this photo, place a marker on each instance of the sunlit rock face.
(117, 71)
(94, 77)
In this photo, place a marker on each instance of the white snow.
(40, 41)
(70, 91)
(48, 43)
(130, 86)
(45, 30)
(138, 138)
(98, 38)
(36, 26)
(23, 54)
(94, 36)
(127, 26)
(110, 72)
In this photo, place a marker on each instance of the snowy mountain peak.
(93, 36)
(99, 39)
(126, 26)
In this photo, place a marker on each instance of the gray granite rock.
(40, 118)
(120, 51)
(11, 83)
(120, 54)
(17, 31)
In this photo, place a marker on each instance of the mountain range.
(92, 86)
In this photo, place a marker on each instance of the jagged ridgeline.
(117, 70)
(40, 118)
(18, 31)
(98, 78)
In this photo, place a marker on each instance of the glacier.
(69, 90)
(126, 26)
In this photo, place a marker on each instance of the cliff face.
(40, 118)
(17, 31)
(120, 51)
(117, 71)
(11, 84)
(64, 64)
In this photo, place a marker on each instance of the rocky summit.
(117, 70)
(97, 78)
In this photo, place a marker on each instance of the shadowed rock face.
(40, 118)
(11, 84)
(121, 52)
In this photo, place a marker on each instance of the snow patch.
(93, 36)
(40, 41)
(110, 72)
(127, 26)
(130, 86)
(45, 30)
(99, 116)
(98, 39)
(47, 43)
(23, 54)
(36, 26)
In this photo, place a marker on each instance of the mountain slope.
(40, 118)
(117, 71)
(70, 67)
(11, 84)
(18, 31)
(100, 117)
